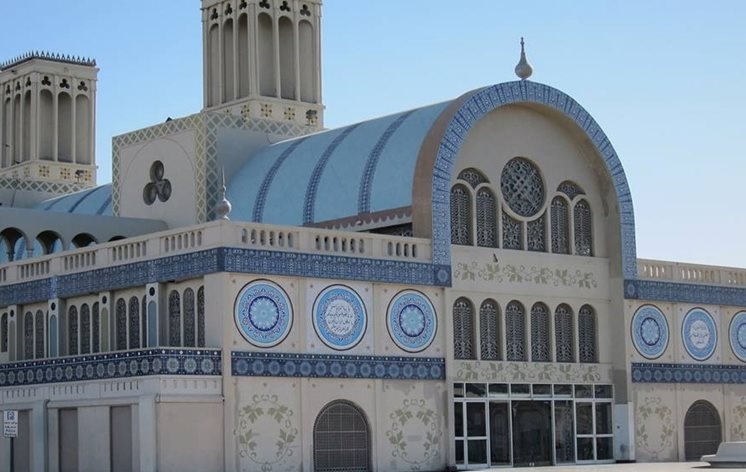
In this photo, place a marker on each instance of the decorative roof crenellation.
(49, 56)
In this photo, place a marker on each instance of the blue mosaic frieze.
(339, 317)
(263, 313)
(27, 292)
(644, 372)
(114, 365)
(684, 293)
(737, 335)
(699, 334)
(649, 331)
(411, 321)
(488, 99)
(260, 364)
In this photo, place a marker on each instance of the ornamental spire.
(523, 70)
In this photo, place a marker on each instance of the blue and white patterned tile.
(263, 313)
(699, 334)
(686, 293)
(411, 321)
(339, 316)
(737, 335)
(649, 331)
(646, 372)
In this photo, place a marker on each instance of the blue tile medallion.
(649, 331)
(411, 321)
(699, 334)
(339, 317)
(263, 313)
(737, 334)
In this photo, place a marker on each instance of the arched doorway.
(702, 430)
(341, 439)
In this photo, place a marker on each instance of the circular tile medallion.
(649, 331)
(339, 317)
(738, 335)
(263, 313)
(699, 333)
(411, 321)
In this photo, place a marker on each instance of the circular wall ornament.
(649, 331)
(699, 333)
(738, 335)
(263, 313)
(522, 187)
(339, 317)
(411, 321)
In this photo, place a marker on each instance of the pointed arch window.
(174, 318)
(201, 317)
(515, 332)
(121, 325)
(563, 333)
(28, 336)
(460, 215)
(39, 341)
(72, 331)
(540, 334)
(144, 321)
(560, 226)
(463, 329)
(583, 229)
(489, 330)
(134, 323)
(85, 329)
(486, 218)
(587, 334)
(95, 328)
(4, 333)
(189, 334)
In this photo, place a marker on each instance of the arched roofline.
(436, 160)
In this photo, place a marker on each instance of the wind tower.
(47, 127)
(262, 61)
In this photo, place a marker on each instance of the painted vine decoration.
(414, 411)
(738, 427)
(526, 371)
(654, 412)
(495, 272)
(254, 433)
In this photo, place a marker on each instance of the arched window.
(144, 321)
(134, 323)
(4, 333)
(587, 334)
(512, 233)
(540, 337)
(515, 332)
(341, 439)
(536, 237)
(460, 215)
(474, 177)
(489, 330)
(702, 430)
(563, 334)
(463, 329)
(189, 335)
(560, 226)
(72, 331)
(486, 218)
(174, 318)
(28, 336)
(96, 334)
(121, 324)
(201, 317)
(39, 342)
(85, 329)
(583, 229)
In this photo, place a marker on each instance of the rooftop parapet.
(48, 56)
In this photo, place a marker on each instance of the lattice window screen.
(341, 440)
(540, 337)
(560, 221)
(189, 317)
(563, 332)
(28, 336)
(587, 334)
(536, 235)
(85, 329)
(72, 331)
(583, 229)
(473, 176)
(4, 333)
(95, 322)
(486, 218)
(39, 334)
(134, 323)
(515, 332)
(460, 216)
(144, 320)
(174, 318)
(201, 317)
(463, 329)
(121, 325)
(571, 189)
(489, 331)
(512, 233)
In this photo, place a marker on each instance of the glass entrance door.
(499, 433)
(532, 433)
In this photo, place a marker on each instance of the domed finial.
(523, 70)
(223, 207)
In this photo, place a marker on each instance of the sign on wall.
(10, 423)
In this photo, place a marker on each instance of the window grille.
(39, 334)
(515, 332)
(72, 331)
(4, 333)
(174, 318)
(583, 233)
(134, 320)
(201, 317)
(144, 320)
(702, 430)
(512, 233)
(587, 334)
(560, 226)
(563, 330)
(473, 176)
(85, 329)
(28, 336)
(460, 216)
(121, 324)
(540, 337)
(571, 189)
(341, 439)
(536, 235)
(489, 331)
(189, 317)
(95, 322)
(463, 329)
(522, 187)
(486, 218)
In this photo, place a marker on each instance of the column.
(147, 434)
(276, 51)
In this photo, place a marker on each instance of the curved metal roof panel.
(93, 201)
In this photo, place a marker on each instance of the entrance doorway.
(532, 433)
(341, 439)
(702, 431)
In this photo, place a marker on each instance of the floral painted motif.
(414, 417)
(471, 371)
(495, 272)
(655, 429)
(266, 434)
(738, 422)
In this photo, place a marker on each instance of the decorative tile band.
(682, 292)
(112, 366)
(249, 261)
(260, 364)
(644, 372)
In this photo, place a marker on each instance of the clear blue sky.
(665, 79)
